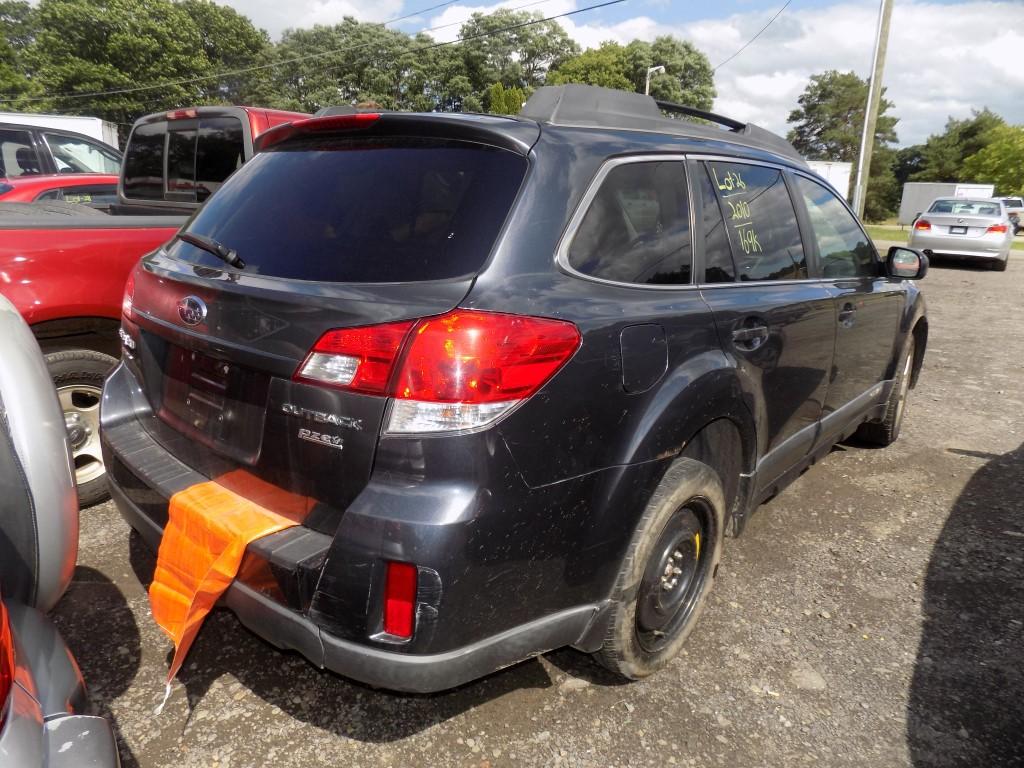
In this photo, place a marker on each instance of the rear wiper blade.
(208, 244)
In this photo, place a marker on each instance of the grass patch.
(897, 235)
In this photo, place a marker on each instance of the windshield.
(332, 210)
(962, 207)
(1013, 202)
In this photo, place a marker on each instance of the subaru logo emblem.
(192, 310)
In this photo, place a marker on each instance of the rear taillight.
(400, 599)
(999, 229)
(465, 369)
(922, 225)
(357, 359)
(6, 660)
(129, 295)
(458, 371)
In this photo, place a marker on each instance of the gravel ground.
(870, 615)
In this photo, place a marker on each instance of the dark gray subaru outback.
(528, 371)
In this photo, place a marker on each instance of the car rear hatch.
(341, 224)
(960, 225)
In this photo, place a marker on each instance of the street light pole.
(651, 71)
(867, 137)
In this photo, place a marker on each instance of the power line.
(163, 99)
(463, 21)
(509, 28)
(746, 44)
(417, 13)
(321, 54)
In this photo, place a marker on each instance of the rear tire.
(78, 376)
(1000, 265)
(886, 431)
(667, 573)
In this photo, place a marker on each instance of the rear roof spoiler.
(495, 130)
(591, 106)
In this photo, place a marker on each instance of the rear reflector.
(923, 225)
(998, 228)
(129, 295)
(6, 660)
(462, 370)
(400, 599)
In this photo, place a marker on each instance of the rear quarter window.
(333, 210)
(637, 228)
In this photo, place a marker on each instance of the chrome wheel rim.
(81, 406)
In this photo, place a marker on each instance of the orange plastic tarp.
(209, 526)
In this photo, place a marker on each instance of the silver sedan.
(975, 228)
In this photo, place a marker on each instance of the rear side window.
(761, 221)
(718, 266)
(333, 210)
(637, 229)
(843, 248)
(144, 162)
(17, 155)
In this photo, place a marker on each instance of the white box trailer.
(918, 195)
(92, 127)
(835, 173)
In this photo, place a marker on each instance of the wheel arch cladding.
(720, 444)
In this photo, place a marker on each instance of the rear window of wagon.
(332, 210)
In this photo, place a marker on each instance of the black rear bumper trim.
(413, 673)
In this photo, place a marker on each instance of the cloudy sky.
(946, 57)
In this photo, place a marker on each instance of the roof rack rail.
(592, 106)
(711, 117)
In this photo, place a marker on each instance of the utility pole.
(867, 138)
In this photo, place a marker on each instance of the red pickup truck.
(64, 265)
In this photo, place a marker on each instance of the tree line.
(197, 52)
(829, 118)
(121, 59)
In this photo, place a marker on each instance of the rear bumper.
(416, 673)
(43, 724)
(478, 609)
(985, 247)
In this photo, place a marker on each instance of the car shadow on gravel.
(968, 683)
(108, 666)
(284, 679)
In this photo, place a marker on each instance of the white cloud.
(942, 59)
(276, 16)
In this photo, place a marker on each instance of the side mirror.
(906, 263)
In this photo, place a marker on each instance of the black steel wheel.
(668, 571)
